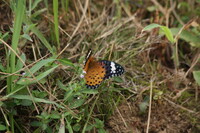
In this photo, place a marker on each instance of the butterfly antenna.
(89, 53)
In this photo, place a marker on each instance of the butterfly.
(95, 71)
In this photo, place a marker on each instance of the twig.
(4, 115)
(179, 106)
(33, 100)
(150, 101)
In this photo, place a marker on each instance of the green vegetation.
(157, 43)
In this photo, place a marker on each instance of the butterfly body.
(97, 71)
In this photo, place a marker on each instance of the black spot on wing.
(119, 70)
(92, 86)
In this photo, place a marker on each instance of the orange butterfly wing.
(95, 72)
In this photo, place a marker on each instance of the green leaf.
(68, 95)
(44, 126)
(27, 81)
(39, 65)
(2, 69)
(27, 28)
(39, 94)
(55, 115)
(89, 127)
(61, 85)
(38, 130)
(77, 103)
(69, 127)
(165, 29)
(118, 79)
(36, 124)
(19, 64)
(17, 89)
(101, 130)
(99, 123)
(26, 102)
(143, 106)
(35, 3)
(66, 114)
(188, 36)
(77, 127)
(151, 26)
(168, 33)
(157, 94)
(27, 97)
(26, 36)
(38, 12)
(2, 127)
(89, 91)
(196, 75)
(66, 62)
(4, 36)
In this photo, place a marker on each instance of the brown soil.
(164, 119)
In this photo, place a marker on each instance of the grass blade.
(15, 38)
(55, 11)
(27, 81)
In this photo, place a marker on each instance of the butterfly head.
(88, 62)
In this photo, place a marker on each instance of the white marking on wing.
(113, 68)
